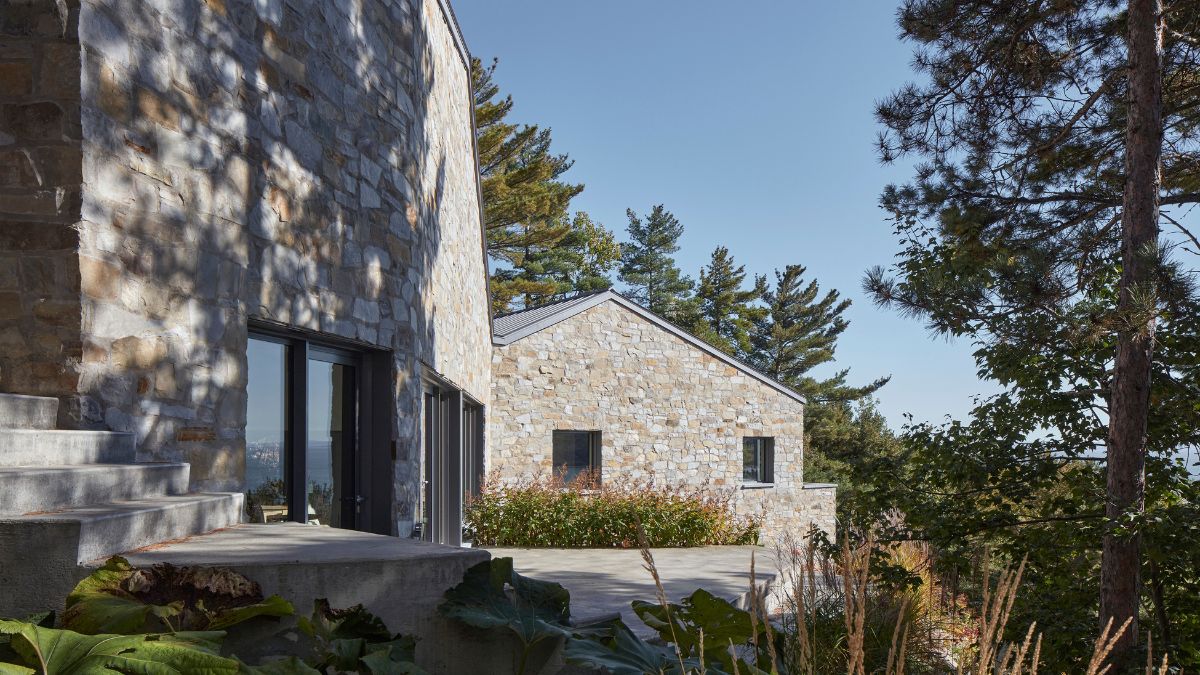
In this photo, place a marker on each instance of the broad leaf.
(121, 599)
(356, 641)
(330, 624)
(492, 595)
(392, 658)
(64, 652)
(623, 653)
(289, 666)
(720, 622)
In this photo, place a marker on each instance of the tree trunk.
(1130, 401)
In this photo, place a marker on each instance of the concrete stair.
(27, 412)
(102, 530)
(72, 497)
(26, 489)
(29, 447)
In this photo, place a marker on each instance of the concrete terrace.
(605, 581)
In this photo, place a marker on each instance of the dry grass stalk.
(997, 607)
(659, 591)
(797, 573)
(758, 606)
(1104, 646)
(898, 651)
(855, 572)
(1162, 670)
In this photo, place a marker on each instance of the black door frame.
(370, 469)
(444, 440)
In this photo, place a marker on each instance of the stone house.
(243, 291)
(242, 280)
(599, 383)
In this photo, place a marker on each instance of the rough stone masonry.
(666, 410)
(172, 169)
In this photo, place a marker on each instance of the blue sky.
(752, 122)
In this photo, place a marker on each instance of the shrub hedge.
(548, 513)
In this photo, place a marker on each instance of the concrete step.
(103, 530)
(53, 488)
(400, 580)
(36, 447)
(18, 411)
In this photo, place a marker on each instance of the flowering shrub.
(545, 512)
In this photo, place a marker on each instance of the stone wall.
(40, 161)
(666, 410)
(307, 163)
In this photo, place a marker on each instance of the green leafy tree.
(1031, 229)
(582, 261)
(648, 269)
(798, 331)
(725, 313)
(525, 200)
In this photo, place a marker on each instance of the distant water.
(264, 462)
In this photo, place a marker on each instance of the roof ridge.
(545, 315)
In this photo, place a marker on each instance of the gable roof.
(508, 328)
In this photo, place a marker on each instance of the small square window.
(758, 459)
(576, 452)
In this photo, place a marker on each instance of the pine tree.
(725, 313)
(647, 268)
(578, 263)
(1032, 229)
(798, 331)
(524, 198)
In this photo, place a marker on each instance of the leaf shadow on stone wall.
(250, 160)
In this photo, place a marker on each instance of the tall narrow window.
(576, 453)
(472, 450)
(758, 459)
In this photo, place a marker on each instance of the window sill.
(751, 485)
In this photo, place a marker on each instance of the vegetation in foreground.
(852, 609)
(167, 620)
(546, 512)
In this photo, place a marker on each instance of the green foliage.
(618, 651)
(118, 598)
(544, 513)
(725, 314)
(703, 626)
(63, 652)
(1010, 235)
(648, 268)
(580, 262)
(525, 201)
(355, 641)
(492, 595)
(114, 616)
(798, 331)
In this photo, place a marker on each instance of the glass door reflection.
(266, 432)
(330, 497)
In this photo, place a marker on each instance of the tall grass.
(547, 512)
(835, 619)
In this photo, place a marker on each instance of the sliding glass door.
(452, 461)
(305, 431)
(332, 430)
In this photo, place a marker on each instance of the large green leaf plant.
(701, 634)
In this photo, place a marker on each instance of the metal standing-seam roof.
(508, 328)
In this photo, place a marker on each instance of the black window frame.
(368, 474)
(764, 455)
(595, 451)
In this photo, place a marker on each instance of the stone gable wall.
(307, 163)
(666, 409)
